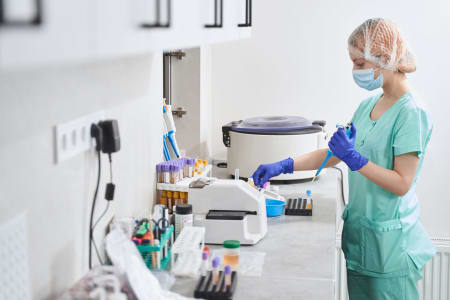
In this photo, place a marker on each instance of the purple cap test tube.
(216, 262)
(204, 262)
(227, 272)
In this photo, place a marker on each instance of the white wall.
(57, 198)
(297, 63)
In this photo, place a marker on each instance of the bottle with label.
(183, 217)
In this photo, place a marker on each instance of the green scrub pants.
(363, 287)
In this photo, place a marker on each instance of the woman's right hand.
(267, 171)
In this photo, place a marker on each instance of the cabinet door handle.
(218, 15)
(158, 23)
(248, 14)
(36, 20)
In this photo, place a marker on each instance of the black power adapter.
(111, 136)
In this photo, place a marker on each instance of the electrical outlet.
(74, 137)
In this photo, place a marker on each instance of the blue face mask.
(365, 79)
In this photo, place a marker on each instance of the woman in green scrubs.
(384, 243)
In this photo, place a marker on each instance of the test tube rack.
(163, 251)
(206, 289)
(183, 185)
(298, 207)
(187, 250)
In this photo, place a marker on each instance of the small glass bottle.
(251, 182)
(169, 199)
(308, 199)
(165, 170)
(163, 199)
(186, 168)
(158, 173)
(176, 174)
(176, 198)
(191, 167)
(180, 169)
(183, 198)
(232, 251)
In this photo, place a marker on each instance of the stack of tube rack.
(173, 171)
(154, 244)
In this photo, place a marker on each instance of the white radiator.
(435, 284)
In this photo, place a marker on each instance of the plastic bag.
(123, 254)
(250, 263)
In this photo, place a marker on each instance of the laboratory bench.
(300, 250)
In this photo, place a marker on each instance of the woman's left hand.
(344, 149)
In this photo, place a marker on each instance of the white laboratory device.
(229, 210)
(269, 139)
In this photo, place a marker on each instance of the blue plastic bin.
(274, 207)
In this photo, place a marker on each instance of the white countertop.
(299, 262)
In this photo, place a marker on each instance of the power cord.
(342, 183)
(106, 135)
(108, 196)
(91, 229)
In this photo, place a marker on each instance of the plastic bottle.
(183, 217)
(232, 251)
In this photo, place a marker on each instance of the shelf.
(183, 185)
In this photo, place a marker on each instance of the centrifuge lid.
(276, 125)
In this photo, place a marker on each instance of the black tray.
(297, 207)
(206, 290)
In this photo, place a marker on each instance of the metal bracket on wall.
(158, 23)
(178, 54)
(218, 15)
(167, 79)
(179, 112)
(248, 14)
(36, 20)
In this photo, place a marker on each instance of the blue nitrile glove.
(265, 172)
(344, 149)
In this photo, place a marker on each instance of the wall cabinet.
(91, 29)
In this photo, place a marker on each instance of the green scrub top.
(382, 229)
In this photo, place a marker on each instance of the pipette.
(348, 132)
